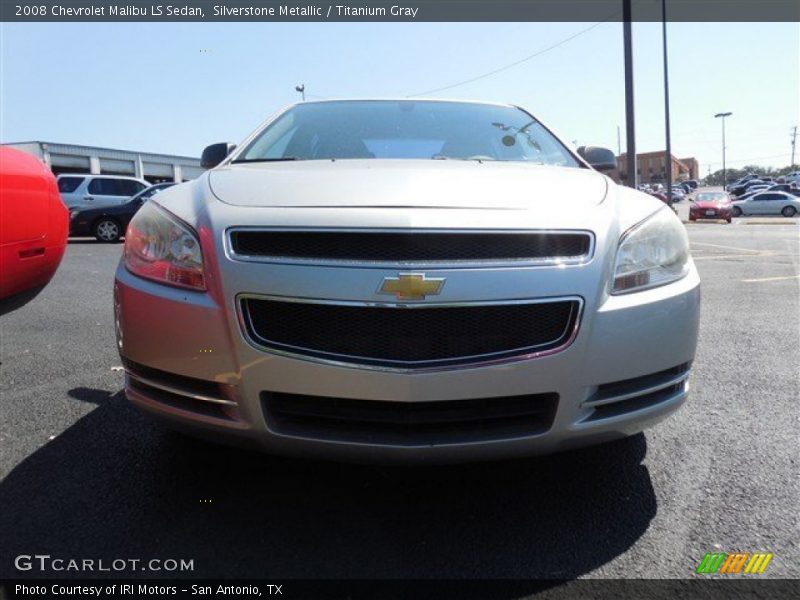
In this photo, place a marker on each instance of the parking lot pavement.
(84, 475)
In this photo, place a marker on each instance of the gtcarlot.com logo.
(45, 562)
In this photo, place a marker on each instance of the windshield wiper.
(256, 160)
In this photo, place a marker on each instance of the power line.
(515, 63)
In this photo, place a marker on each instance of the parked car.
(782, 187)
(767, 203)
(711, 205)
(33, 227)
(92, 191)
(692, 183)
(744, 188)
(741, 181)
(315, 293)
(792, 177)
(678, 194)
(755, 189)
(108, 223)
(660, 195)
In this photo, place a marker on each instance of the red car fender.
(33, 223)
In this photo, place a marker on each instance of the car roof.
(408, 99)
(101, 176)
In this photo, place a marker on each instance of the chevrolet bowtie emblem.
(411, 286)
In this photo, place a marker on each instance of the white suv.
(92, 191)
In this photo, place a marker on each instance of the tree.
(715, 178)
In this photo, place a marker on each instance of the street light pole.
(668, 157)
(724, 172)
(632, 179)
(302, 89)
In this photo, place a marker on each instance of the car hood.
(711, 204)
(449, 184)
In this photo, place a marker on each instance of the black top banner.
(396, 10)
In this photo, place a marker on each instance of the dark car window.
(130, 188)
(407, 129)
(67, 185)
(115, 187)
(105, 187)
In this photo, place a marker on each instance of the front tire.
(789, 211)
(108, 231)
(736, 212)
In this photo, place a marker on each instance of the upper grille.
(411, 246)
(422, 336)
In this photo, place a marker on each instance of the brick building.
(652, 167)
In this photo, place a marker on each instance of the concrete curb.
(779, 221)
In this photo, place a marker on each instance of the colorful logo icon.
(734, 562)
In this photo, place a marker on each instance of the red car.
(33, 227)
(660, 196)
(711, 205)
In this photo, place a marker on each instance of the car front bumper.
(717, 213)
(189, 362)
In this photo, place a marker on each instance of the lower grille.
(185, 393)
(620, 397)
(408, 423)
(410, 337)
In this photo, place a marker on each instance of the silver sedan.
(767, 203)
(406, 280)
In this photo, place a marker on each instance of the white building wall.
(94, 159)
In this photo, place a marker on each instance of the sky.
(176, 87)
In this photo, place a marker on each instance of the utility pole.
(724, 172)
(668, 157)
(794, 141)
(630, 148)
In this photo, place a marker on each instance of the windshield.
(711, 197)
(406, 129)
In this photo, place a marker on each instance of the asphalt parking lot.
(84, 475)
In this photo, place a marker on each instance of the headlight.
(73, 214)
(654, 252)
(160, 247)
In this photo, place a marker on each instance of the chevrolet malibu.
(406, 280)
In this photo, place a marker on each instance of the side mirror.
(215, 154)
(599, 158)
